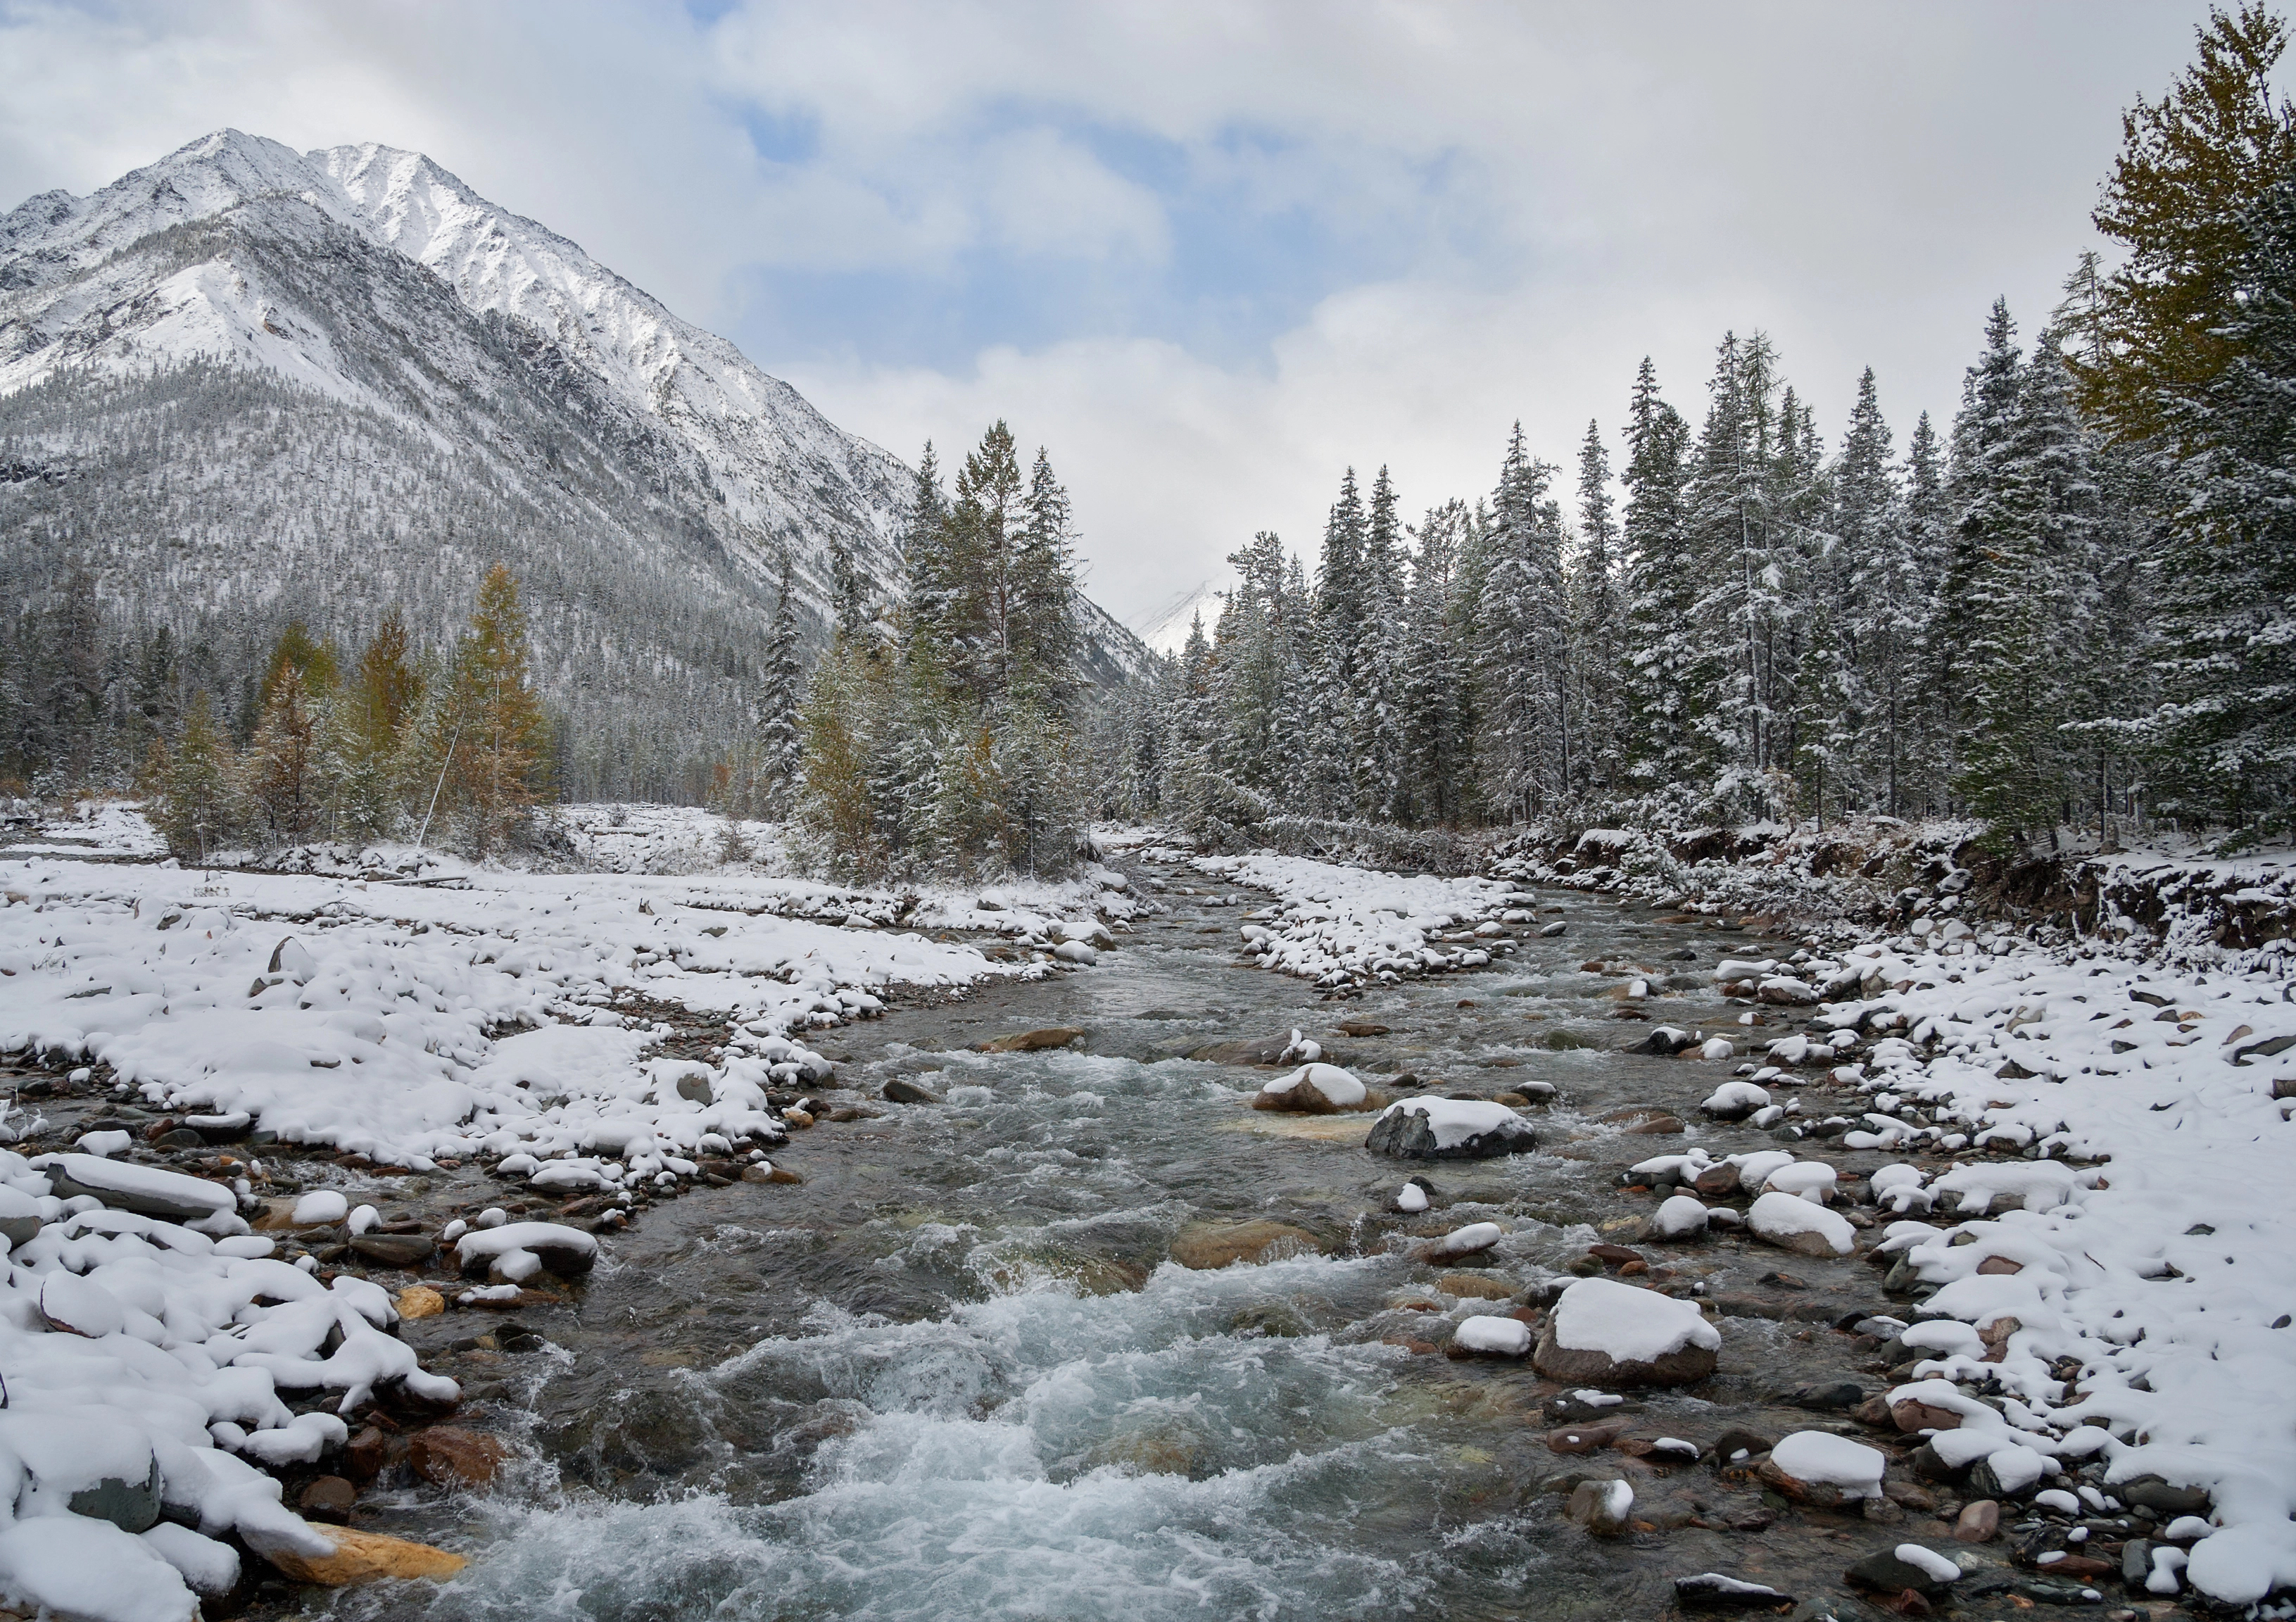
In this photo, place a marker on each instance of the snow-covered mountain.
(246, 382)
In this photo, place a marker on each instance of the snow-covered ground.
(2117, 1197)
(1340, 926)
(413, 1011)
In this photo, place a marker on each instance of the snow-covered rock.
(1792, 1222)
(1820, 1459)
(1313, 1089)
(1607, 1333)
(1450, 1129)
(1734, 1100)
(1490, 1336)
(1678, 1216)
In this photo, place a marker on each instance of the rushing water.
(954, 1374)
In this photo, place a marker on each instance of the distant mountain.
(245, 383)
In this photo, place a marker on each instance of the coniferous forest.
(2066, 609)
(2072, 607)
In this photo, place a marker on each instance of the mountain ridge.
(490, 391)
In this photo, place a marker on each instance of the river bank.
(963, 1365)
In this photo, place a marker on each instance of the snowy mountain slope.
(782, 468)
(377, 384)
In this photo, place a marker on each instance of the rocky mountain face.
(247, 383)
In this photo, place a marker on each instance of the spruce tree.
(1595, 619)
(1521, 676)
(778, 753)
(2227, 736)
(1659, 636)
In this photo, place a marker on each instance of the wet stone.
(328, 1498)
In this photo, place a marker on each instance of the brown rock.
(420, 1301)
(365, 1454)
(1716, 1182)
(1913, 1416)
(1207, 1246)
(1591, 1506)
(361, 1557)
(448, 1455)
(1873, 1410)
(1032, 1042)
(1361, 1027)
(1577, 1367)
(1615, 1253)
(2000, 1264)
(1817, 1495)
(1655, 1126)
(1978, 1523)
(393, 1249)
(328, 1498)
(1475, 1286)
(1582, 1438)
(767, 1171)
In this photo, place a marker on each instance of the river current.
(953, 1373)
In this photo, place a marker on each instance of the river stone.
(1600, 1506)
(900, 1089)
(1664, 1043)
(1713, 1590)
(696, 1090)
(328, 1498)
(1033, 1041)
(1684, 1365)
(393, 1249)
(1207, 1246)
(420, 1301)
(449, 1455)
(356, 1557)
(1475, 1286)
(1405, 1132)
(1978, 1523)
(147, 1190)
(131, 1506)
(1716, 1182)
(2151, 1493)
(1883, 1572)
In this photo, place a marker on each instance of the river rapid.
(954, 1372)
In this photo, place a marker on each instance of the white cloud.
(1531, 198)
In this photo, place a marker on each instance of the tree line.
(940, 735)
(448, 750)
(2073, 606)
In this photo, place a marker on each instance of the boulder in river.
(449, 1455)
(1906, 1567)
(1450, 1129)
(1032, 1042)
(1313, 1089)
(1714, 1591)
(356, 1557)
(1600, 1506)
(1665, 1042)
(900, 1089)
(1792, 1222)
(1734, 1100)
(145, 1190)
(1207, 1246)
(1606, 1333)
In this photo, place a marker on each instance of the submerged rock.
(1713, 1590)
(1207, 1246)
(1033, 1041)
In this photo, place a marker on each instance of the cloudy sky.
(1209, 254)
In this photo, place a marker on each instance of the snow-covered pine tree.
(1377, 693)
(1658, 636)
(1879, 583)
(2228, 735)
(1440, 756)
(1523, 742)
(1741, 726)
(1928, 542)
(779, 699)
(1596, 611)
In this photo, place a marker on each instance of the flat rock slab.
(1207, 1246)
(1033, 1041)
(364, 1557)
